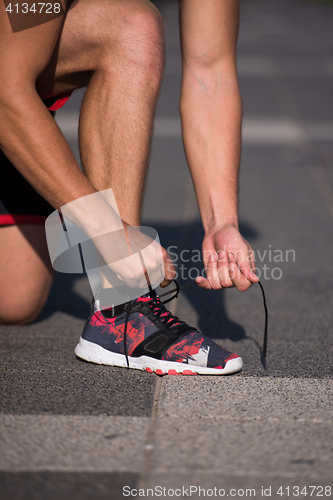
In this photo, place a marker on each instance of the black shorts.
(19, 202)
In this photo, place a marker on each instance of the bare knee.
(131, 37)
(26, 273)
(25, 305)
(16, 318)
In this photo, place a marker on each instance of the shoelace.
(155, 307)
(171, 320)
(264, 346)
(166, 317)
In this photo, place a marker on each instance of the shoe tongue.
(147, 297)
(116, 311)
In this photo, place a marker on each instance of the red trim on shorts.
(8, 219)
(62, 99)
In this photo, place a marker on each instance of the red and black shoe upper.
(153, 331)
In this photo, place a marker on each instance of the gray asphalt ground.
(72, 430)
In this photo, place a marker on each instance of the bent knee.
(143, 24)
(20, 314)
(24, 306)
(18, 318)
(133, 31)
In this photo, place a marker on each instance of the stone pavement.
(76, 431)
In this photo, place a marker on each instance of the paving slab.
(250, 398)
(65, 485)
(244, 447)
(245, 433)
(40, 374)
(71, 443)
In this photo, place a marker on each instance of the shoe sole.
(96, 354)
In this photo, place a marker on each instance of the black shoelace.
(168, 321)
(172, 320)
(264, 346)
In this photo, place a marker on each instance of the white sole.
(96, 354)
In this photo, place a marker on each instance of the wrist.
(218, 204)
(93, 214)
(218, 223)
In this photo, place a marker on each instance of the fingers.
(165, 283)
(246, 264)
(217, 273)
(212, 272)
(158, 268)
(238, 278)
(203, 283)
(230, 260)
(223, 271)
(211, 279)
(169, 269)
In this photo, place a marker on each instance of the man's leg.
(118, 46)
(26, 273)
(120, 43)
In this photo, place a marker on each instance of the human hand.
(126, 255)
(136, 259)
(228, 260)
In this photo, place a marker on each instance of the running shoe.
(144, 335)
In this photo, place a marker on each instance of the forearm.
(33, 142)
(35, 145)
(211, 115)
(30, 137)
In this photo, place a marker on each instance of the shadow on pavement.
(65, 298)
(208, 305)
